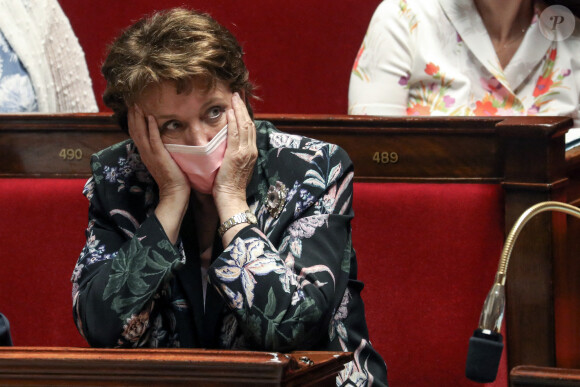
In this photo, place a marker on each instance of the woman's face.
(187, 119)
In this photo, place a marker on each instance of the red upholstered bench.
(427, 254)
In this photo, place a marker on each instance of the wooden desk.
(166, 367)
(523, 376)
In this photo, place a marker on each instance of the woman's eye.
(171, 125)
(214, 113)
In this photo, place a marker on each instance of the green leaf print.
(271, 306)
(345, 264)
(136, 285)
(157, 262)
(254, 328)
(165, 245)
(298, 330)
(120, 305)
(126, 269)
(306, 310)
(270, 335)
(119, 273)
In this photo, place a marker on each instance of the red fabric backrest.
(289, 46)
(426, 252)
(42, 223)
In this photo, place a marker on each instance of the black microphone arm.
(486, 344)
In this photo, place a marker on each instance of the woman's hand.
(229, 190)
(145, 133)
(173, 185)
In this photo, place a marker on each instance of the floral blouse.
(436, 58)
(287, 283)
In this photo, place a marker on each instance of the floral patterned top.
(16, 92)
(287, 283)
(436, 58)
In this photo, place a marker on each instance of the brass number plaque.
(70, 154)
(386, 157)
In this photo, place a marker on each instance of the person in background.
(468, 58)
(42, 65)
(5, 338)
(208, 229)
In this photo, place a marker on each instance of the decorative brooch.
(276, 198)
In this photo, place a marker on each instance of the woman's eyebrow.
(212, 101)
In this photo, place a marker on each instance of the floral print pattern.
(271, 289)
(432, 96)
(248, 259)
(435, 58)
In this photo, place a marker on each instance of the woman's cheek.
(169, 139)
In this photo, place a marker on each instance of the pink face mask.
(201, 163)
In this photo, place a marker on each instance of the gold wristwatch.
(242, 217)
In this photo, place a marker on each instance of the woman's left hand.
(229, 190)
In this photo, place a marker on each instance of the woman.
(465, 57)
(258, 257)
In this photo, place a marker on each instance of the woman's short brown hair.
(178, 45)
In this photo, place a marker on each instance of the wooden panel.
(37, 145)
(534, 171)
(567, 279)
(167, 367)
(453, 149)
(394, 149)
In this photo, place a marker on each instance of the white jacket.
(40, 34)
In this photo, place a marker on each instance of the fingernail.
(236, 96)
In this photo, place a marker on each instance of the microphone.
(486, 344)
(483, 356)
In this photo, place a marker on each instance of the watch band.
(242, 217)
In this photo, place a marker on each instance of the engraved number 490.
(70, 154)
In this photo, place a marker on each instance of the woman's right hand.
(174, 188)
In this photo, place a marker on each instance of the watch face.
(251, 217)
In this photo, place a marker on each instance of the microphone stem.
(517, 228)
(486, 345)
(493, 308)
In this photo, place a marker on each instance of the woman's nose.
(197, 136)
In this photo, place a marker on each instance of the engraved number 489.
(385, 157)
